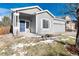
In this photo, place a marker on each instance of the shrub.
(5, 25)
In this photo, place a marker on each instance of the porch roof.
(39, 13)
(26, 13)
(23, 8)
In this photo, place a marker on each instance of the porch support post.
(36, 24)
(15, 23)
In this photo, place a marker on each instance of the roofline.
(47, 12)
(22, 8)
(59, 19)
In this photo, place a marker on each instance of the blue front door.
(22, 26)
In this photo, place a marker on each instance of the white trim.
(59, 23)
(14, 9)
(59, 19)
(49, 24)
(17, 14)
(47, 12)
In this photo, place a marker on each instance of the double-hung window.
(45, 23)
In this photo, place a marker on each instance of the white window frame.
(49, 23)
(29, 23)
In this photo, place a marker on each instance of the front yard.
(27, 46)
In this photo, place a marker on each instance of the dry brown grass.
(41, 49)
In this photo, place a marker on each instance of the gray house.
(33, 19)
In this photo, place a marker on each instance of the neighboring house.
(36, 20)
(70, 25)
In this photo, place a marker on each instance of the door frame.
(20, 26)
(25, 25)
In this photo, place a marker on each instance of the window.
(27, 24)
(45, 24)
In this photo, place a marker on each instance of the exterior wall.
(30, 11)
(39, 28)
(56, 26)
(33, 24)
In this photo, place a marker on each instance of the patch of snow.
(71, 36)
(3, 51)
(64, 39)
(47, 41)
(62, 34)
(26, 44)
(22, 53)
(20, 45)
(22, 37)
(32, 44)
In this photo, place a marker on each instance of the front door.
(22, 26)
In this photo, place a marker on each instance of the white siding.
(39, 18)
(56, 26)
(33, 24)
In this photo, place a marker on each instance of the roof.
(59, 19)
(45, 11)
(41, 11)
(23, 8)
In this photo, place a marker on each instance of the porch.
(24, 23)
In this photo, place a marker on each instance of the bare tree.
(6, 21)
(71, 9)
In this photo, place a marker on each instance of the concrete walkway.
(30, 35)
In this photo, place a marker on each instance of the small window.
(45, 24)
(27, 24)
